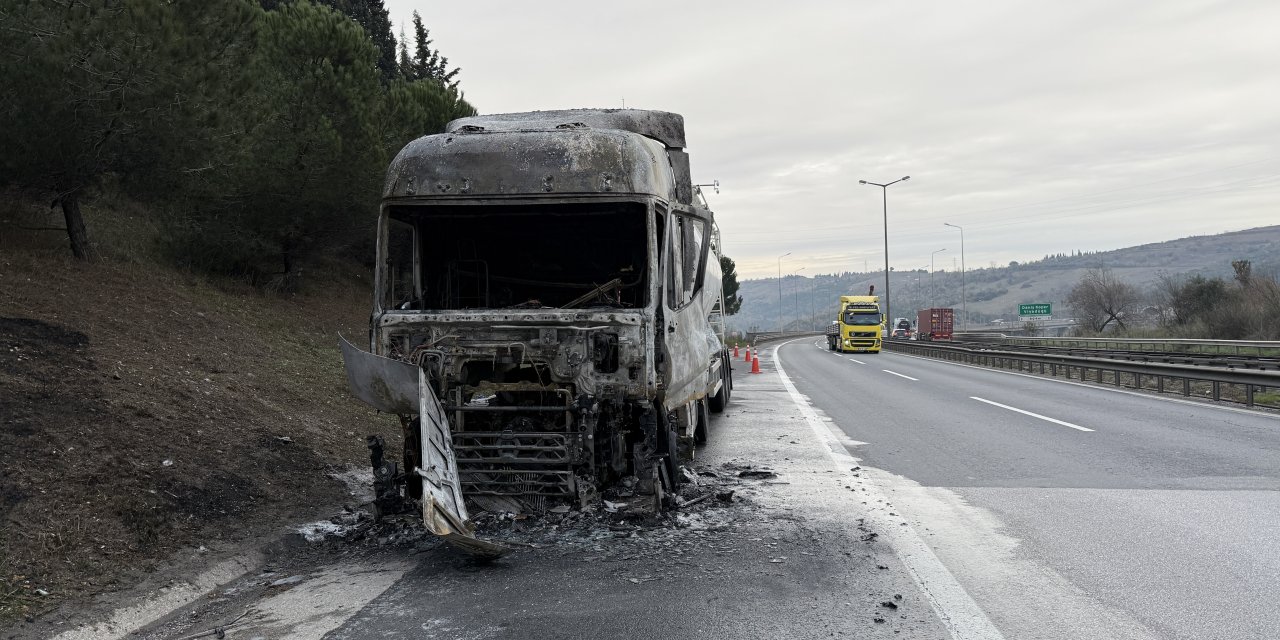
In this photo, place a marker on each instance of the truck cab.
(859, 327)
(553, 278)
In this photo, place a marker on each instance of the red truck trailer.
(935, 324)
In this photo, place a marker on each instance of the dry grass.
(113, 367)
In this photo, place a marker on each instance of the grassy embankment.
(147, 412)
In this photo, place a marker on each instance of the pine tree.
(405, 63)
(123, 88)
(428, 64)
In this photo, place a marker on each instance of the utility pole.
(884, 189)
(931, 274)
(780, 289)
(964, 300)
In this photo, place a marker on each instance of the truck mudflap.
(386, 384)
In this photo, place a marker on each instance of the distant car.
(998, 321)
(901, 334)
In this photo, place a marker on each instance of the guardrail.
(1241, 385)
(1162, 345)
(756, 337)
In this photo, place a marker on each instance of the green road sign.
(1035, 309)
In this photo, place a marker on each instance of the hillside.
(149, 414)
(996, 292)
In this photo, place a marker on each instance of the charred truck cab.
(546, 313)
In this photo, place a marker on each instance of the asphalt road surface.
(1067, 510)
(913, 498)
(811, 552)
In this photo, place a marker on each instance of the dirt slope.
(145, 412)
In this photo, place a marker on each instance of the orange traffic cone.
(755, 364)
(735, 350)
(747, 356)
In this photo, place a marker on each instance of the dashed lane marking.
(1033, 415)
(900, 375)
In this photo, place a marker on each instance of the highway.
(903, 498)
(1067, 510)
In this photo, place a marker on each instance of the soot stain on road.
(732, 565)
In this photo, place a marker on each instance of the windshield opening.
(861, 318)
(565, 255)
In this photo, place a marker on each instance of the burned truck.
(547, 314)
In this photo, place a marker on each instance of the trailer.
(547, 319)
(935, 324)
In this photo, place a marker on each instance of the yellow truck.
(858, 327)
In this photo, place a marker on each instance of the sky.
(1038, 127)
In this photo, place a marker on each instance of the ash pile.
(622, 522)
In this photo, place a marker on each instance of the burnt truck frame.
(547, 313)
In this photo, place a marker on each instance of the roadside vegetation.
(188, 193)
(1246, 307)
(253, 135)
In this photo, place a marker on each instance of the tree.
(1189, 299)
(1243, 270)
(729, 282)
(428, 64)
(404, 62)
(372, 16)
(98, 88)
(1100, 298)
(308, 164)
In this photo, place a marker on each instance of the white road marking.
(1033, 415)
(956, 609)
(1086, 385)
(900, 375)
(856, 360)
(126, 620)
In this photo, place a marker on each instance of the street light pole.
(797, 289)
(884, 190)
(813, 309)
(964, 301)
(931, 274)
(780, 289)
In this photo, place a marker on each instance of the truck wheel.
(668, 445)
(704, 418)
(721, 399)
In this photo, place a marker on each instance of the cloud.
(1039, 128)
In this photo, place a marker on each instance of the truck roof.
(860, 299)
(548, 153)
(663, 126)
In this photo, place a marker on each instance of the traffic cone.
(755, 364)
(735, 350)
(747, 356)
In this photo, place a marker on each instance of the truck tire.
(668, 444)
(721, 399)
(704, 421)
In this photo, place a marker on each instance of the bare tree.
(1101, 298)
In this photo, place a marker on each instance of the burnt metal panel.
(663, 126)
(683, 179)
(385, 384)
(444, 510)
(524, 163)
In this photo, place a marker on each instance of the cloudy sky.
(1040, 127)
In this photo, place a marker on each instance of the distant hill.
(996, 293)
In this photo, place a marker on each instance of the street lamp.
(780, 289)
(964, 301)
(884, 190)
(931, 274)
(797, 288)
